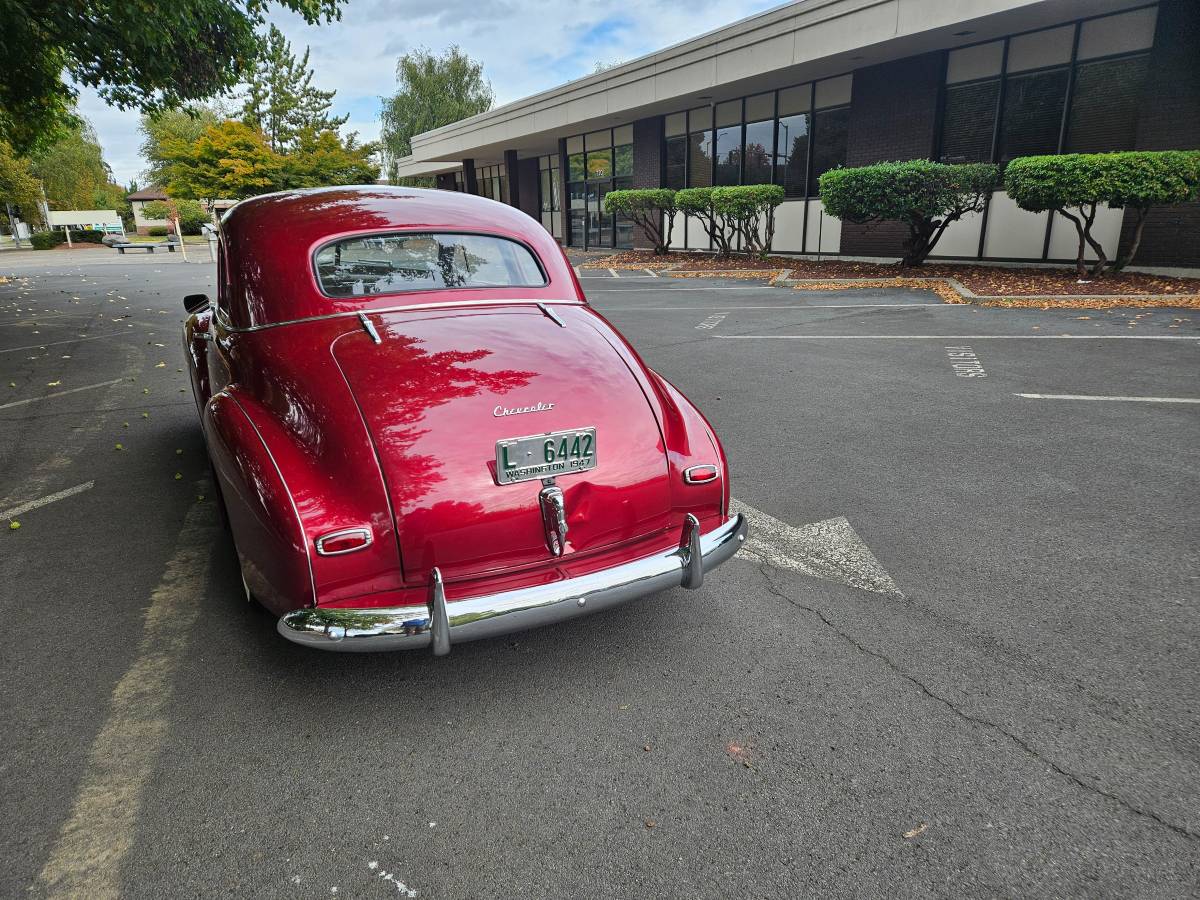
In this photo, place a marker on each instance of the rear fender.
(690, 441)
(287, 498)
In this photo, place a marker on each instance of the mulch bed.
(987, 281)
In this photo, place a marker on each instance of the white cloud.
(524, 48)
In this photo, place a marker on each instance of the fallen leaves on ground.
(984, 280)
(920, 829)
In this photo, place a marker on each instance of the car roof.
(268, 243)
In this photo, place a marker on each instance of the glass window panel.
(544, 190)
(622, 134)
(760, 106)
(597, 140)
(676, 124)
(970, 117)
(729, 155)
(624, 234)
(1039, 49)
(676, 162)
(575, 144)
(700, 118)
(599, 164)
(791, 155)
(394, 263)
(700, 159)
(759, 138)
(577, 195)
(576, 167)
(795, 100)
(1122, 33)
(834, 91)
(1104, 108)
(623, 160)
(970, 63)
(729, 113)
(830, 128)
(1032, 116)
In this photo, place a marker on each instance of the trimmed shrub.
(87, 236)
(1074, 185)
(926, 196)
(46, 240)
(158, 231)
(1142, 179)
(651, 209)
(749, 210)
(699, 203)
(191, 213)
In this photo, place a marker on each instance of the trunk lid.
(441, 388)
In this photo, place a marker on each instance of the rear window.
(412, 261)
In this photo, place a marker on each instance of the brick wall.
(893, 116)
(647, 164)
(1170, 120)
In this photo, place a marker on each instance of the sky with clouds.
(524, 48)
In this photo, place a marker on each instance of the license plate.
(545, 455)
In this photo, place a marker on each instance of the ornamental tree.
(229, 160)
(926, 196)
(651, 209)
(1141, 180)
(700, 203)
(748, 211)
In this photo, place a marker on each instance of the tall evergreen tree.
(433, 91)
(280, 99)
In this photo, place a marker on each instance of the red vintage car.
(421, 433)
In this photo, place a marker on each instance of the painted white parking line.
(92, 844)
(651, 273)
(1118, 399)
(78, 340)
(952, 337)
(782, 306)
(86, 387)
(613, 273)
(45, 501)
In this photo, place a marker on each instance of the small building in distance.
(139, 199)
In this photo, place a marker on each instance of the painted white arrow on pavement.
(830, 549)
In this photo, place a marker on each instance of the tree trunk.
(1080, 268)
(1101, 258)
(1123, 261)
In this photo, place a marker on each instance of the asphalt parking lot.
(959, 658)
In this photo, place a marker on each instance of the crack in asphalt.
(972, 718)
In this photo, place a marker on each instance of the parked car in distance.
(422, 434)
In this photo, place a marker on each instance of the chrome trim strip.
(416, 627)
(412, 307)
(312, 578)
(345, 532)
(551, 315)
(369, 328)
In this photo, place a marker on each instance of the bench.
(121, 248)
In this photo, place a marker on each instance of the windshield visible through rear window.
(392, 263)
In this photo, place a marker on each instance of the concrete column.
(512, 172)
(469, 180)
(565, 206)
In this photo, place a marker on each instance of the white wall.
(1012, 232)
(1064, 239)
(824, 232)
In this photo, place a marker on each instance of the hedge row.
(742, 214)
(928, 196)
(48, 240)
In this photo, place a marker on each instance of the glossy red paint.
(314, 427)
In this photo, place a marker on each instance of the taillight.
(347, 540)
(700, 474)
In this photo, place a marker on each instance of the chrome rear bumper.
(439, 624)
